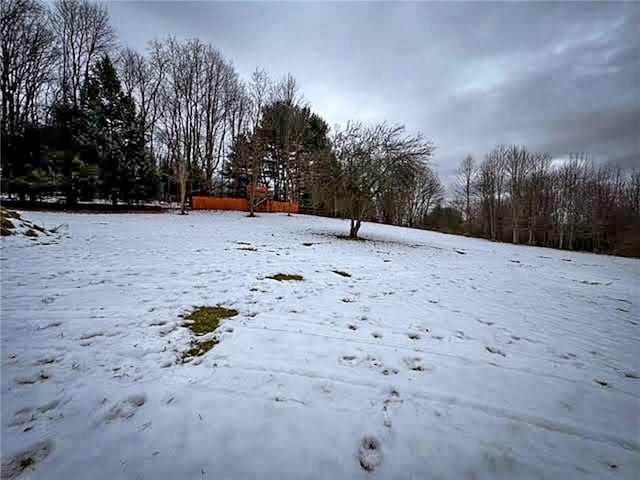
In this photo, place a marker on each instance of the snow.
(440, 357)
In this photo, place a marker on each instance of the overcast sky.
(559, 77)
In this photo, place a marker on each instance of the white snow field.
(441, 357)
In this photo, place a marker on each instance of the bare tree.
(200, 101)
(142, 78)
(259, 89)
(535, 191)
(84, 34)
(367, 156)
(27, 54)
(490, 185)
(464, 188)
(516, 167)
(426, 192)
(570, 178)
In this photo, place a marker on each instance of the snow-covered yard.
(439, 357)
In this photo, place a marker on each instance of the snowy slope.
(440, 357)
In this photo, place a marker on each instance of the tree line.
(86, 118)
(523, 196)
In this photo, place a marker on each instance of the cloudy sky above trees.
(559, 77)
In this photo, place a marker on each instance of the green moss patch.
(205, 320)
(285, 277)
(341, 273)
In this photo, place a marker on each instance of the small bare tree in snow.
(368, 157)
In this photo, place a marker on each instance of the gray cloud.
(560, 77)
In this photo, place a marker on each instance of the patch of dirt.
(285, 277)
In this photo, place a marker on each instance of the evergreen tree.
(114, 132)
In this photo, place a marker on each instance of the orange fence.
(241, 204)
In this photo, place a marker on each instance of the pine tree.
(114, 131)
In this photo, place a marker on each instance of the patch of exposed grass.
(204, 320)
(341, 273)
(6, 223)
(198, 349)
(285, 277)
(6, 213)
(31, 233)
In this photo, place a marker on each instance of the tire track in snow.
(435, 396)
(414, 350)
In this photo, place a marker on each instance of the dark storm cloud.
(561, 77)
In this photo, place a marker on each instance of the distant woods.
(520, 196)
(85, 118)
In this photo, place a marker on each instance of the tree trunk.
(355, 227)
(183, 196)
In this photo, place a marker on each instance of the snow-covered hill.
(439, 357)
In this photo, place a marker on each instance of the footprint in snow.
(88, 336)
(369, 453)
(46, 361)
(348, 359)
(415, 364)
(413, 336)
(26, 460)
(40, 377)
(376, 335)
(495, 351)
(126, 408)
